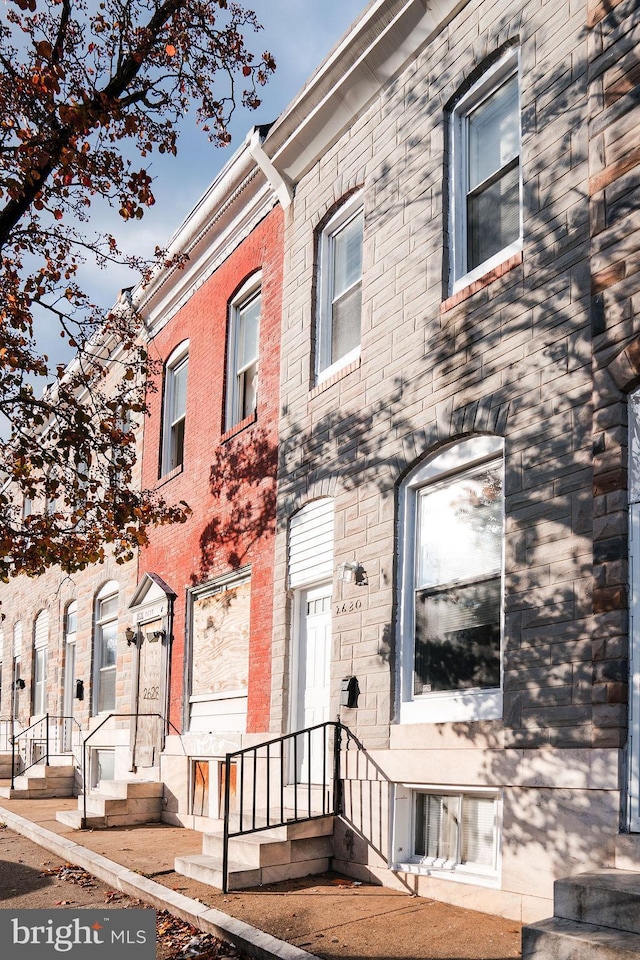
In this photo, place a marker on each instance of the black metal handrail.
(260, 765)
(15, 746)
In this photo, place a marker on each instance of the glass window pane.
(248, 323)
(494, 133)
(347, 255)
(436, 831)
(179, 391)
(478, 819)
(248, 390)
(457, 638)
(493, 218)
(72, 618)
(107, 694)
(177, 444)
(460, 528)
(108, 607)
(109, 636)
(345, 329)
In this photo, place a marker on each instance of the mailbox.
(349, 692)
(79, 689)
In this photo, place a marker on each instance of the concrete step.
(41, 783)
(209, 870)
(73, 819)
(608, 898)
(241, 876)
(128, 789)
(263, 850)
(558, 939)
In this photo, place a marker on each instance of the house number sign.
(348, 606)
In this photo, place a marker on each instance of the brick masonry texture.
(510, 355)
(228, 478)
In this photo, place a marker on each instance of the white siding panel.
(311, 543)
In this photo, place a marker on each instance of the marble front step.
(286, 852)
(559, 939)
(117, 803)
(208, 870)
(41, 783)
(608, 898)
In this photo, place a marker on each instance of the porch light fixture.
(131, 636)
(352, 572)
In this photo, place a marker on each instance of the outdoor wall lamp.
(131, 636)
(18, 684)
(352, 572)
(156, 635)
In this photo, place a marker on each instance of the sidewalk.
(327, 917)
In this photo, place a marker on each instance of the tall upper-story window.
(244, 331)
(451, 565)
(106, 635)
(340, 289)
(40, 643)
(175, 408)
(486, 194)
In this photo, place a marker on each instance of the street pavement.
(329, 917)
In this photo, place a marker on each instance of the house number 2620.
(348, 606)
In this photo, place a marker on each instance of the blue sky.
(299, 34)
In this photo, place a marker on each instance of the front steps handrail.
(114, 716)
(285, 760)
(43, 726)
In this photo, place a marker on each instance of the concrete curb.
(252, 941)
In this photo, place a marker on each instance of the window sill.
(455, 872)
(239, 427)
(334, 378)
(166, 477)
(453, 708)
(494, 273)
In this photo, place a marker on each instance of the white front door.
(634, 625)
(314, 659)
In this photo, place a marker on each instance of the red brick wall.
(228, 480)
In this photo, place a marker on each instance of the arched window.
(243, 352)
(106, 635)
(451, 572)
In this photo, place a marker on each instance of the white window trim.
(107, 592)
(441, 706)
(403, 834)
(250, 289)
(349, 209)
(497, 74)
(176, 359)
(40, 647)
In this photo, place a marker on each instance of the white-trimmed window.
(486, 194)
(244, 332)
(340, 289)
(40, 644)
(106, 635)
(455, 832)
(451, 572)
(175, 408)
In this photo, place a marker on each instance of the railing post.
(225, 827)
(46, 748)
(83, 824)
(13, 757)
(337, 782)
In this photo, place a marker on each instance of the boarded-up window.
(221, 642)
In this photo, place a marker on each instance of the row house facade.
(398, 392)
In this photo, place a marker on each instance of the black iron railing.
(43, 737)
(289, 779)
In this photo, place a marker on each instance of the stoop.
(117, 803)
(287, 852)
(42, 782)
(596, 915)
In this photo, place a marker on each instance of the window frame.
(40, 650)
(352, 208)
(178, 360)
(246, 295)
(492, 79)
(440, 706)
(405, 859)
(109, 591)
